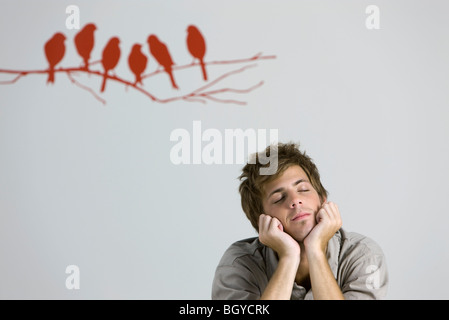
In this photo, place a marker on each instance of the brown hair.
(252, 182)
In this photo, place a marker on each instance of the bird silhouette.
(137, 62)
(110, 58)
(54, 52)
(160, 52)
(84, 43)
(197, 46)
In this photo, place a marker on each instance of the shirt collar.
(332, 254)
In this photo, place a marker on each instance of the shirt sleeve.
(366, 275)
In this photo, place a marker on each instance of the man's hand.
(328, 223)
(271, 234)
(324, 285)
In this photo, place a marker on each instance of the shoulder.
(250, 248)
(242, 271)
(359, 254)
(357, 244)
(362, 269)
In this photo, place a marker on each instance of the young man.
(301, 252)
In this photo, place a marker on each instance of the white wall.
(93, 185)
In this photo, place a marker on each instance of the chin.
(301, 234)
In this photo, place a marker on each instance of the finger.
(325, 214)
(321, 215)
(334, 210)
(337, 215)
(280, 226)
(261, 221)
(334, 213)
(264, 222)
(331, 209)
(275, 223)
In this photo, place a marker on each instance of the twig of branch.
(257, 56)
(199, 95)
(69, 75)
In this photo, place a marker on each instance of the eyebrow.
(282, 189)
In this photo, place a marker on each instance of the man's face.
(293, 201)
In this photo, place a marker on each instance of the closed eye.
(278, 201)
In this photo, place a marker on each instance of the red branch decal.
(54, 50)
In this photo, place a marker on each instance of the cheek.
(273, 210)
(314, 200)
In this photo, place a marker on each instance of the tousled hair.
(252, 182)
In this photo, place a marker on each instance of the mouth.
(300, 216)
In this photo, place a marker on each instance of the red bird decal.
(110, 58)
(137, 62)
(84, 43)
(160, 52)
(54, 52)
(197, 46)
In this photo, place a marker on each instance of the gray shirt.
(357, 262)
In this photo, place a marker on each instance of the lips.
(300, 216)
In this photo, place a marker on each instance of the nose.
(295, 201)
